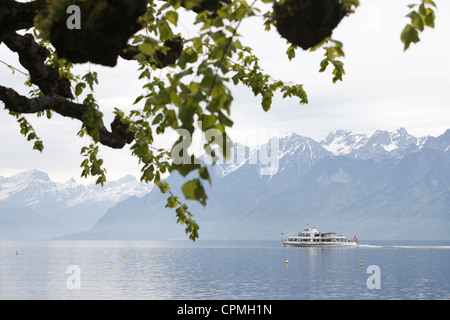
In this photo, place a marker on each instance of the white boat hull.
(318, 244)
(311, 237)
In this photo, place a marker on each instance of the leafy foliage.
(27, 130)
(333, 52)
(423, 17)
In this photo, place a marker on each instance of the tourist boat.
(311, 237)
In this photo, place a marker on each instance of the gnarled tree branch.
(32, 57)
(56, 89)
(117, 138)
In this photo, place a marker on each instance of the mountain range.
(385, 185)
(33, 206)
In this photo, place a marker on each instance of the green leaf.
(429, 19)
(291, 52)
(165, 31)
(204, 174)
(225, 120)
(185, 168)
(189, 55)
(79, 88)
(148, 48)
(430, 2)
(38, 145)
(175, 98)
(338, 70)
(194, 190)
(138, 99)
(208, 121)
(416, 20)
(172, 16)
(148, 174)
(409, 35)
(323, 65)
(91, 78)
(266, 103)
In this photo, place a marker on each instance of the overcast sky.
(383, 88)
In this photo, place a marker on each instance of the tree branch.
(117, 138)
(32, 57)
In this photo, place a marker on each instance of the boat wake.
(369, 246)
(402, 246)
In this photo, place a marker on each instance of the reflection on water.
(219, 270)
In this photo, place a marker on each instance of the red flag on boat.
(355, 239)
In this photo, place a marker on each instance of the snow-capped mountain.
(441, 142)
(295, 151)
(67, 206)
(343, 142)
(277, 155)
(380, 144)
(301, 153)
(35, 189)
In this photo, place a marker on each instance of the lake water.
(223, 270)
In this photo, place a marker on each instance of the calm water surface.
(221, 270)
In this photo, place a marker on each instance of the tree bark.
(32, 57)
(117, 138)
